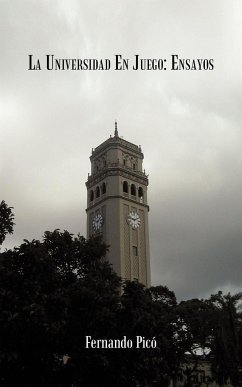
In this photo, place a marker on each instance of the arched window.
(141, 192)
(125, 187)
(133, 190)
(97, 192)
(103, 188)
(91, 195)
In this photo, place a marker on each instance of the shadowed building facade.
(117, 206)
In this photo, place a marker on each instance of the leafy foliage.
(55, 292)
(52, 294)
(227, 338)
(6, 221)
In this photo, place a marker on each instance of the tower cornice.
(115, 169)
(116, 142)
(124, 198)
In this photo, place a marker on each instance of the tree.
(52, 294)
(55, 292)
(195, 335)
(140, 316)
(196, 319)
(6, 221)
(226, 348)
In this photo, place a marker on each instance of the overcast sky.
(189, 124)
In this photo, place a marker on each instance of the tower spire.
(116, 129)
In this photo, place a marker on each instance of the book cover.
(124, 119)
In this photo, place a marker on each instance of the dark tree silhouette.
(55, 292)
(226, 345)
(52, 294)
(6, 221)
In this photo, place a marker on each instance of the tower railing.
(118, 164)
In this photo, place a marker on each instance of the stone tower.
(117, 206)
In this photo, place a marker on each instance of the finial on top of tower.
(116, 129)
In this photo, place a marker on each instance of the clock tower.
(117, 206)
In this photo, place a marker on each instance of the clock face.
(134, 220)
(97, 222)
